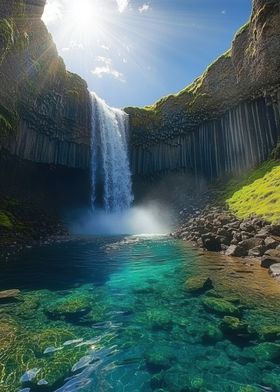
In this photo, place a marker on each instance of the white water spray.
(110, 160)
(111, 179)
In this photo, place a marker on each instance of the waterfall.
(110, 161)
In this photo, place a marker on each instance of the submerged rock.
(70, 308)
(7, 296)
(263, 352)
(50, 350)
(210, 333)
(198, 284)
(219, 305)
(83, 362)
(158, 319)
(234, 326)
(271, 257)
(268, 332)
(29, 375)
(157, 360)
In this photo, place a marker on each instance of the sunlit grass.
(258, 194)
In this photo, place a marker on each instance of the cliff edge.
(44, 109)
(250, 69)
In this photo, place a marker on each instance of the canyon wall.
(228, 119)
(44, 109)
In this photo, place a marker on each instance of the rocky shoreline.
(216, 229)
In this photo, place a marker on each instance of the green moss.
(267, 351)
(72, 306)
(6, 37)
(248, 388)
(157, 319)
(6, 220)
(8, 120)
(198, 284)
(233, 325)
(242, 29)
(268, 332)
(258, 194)
(220, 305)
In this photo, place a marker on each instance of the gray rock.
(9, 294)
(232, 251)
(274, 270)
(271, 243)
(275, 230)
(246, 245)
(247, 226)
(273, 253)
(257, 251)
(211, 242)
(267, 261)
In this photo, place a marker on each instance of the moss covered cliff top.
(247, 70)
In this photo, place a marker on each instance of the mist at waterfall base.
(140, 220)
(111, 172)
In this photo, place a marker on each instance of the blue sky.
(133, 52)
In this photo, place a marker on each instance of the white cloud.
(107, 69)
(224, 12)
(52, 12)
(144, 8)
(122, 4)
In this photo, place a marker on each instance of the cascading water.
(111, 210)
(110, 162)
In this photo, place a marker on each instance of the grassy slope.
(257, 193)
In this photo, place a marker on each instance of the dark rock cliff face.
(44, 110)
(226, 120)
(45, 113)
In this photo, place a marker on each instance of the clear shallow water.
(113, 314)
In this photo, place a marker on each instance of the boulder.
(247, 227)
(198, 284)
(275, 230)
(257, 251)
(157, 360)
(70, 308)
(211, 242)
(273, 253)
(274, 270)
(235, 251)
(220, 305)
(244, 246)
(234, 326)
(268, 332)
(267, 352)
(271, 257)
(7, 296)
(271, 243)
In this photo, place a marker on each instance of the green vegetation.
(219, 305)
(242, 29)
(6, 37)
(8, 120)
(258, 193)
(5, 220)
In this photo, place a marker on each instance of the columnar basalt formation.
(226, 120)
(44, 110)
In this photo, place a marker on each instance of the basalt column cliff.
(225, 121)
(44, 110)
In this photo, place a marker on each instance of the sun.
(84, 15)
